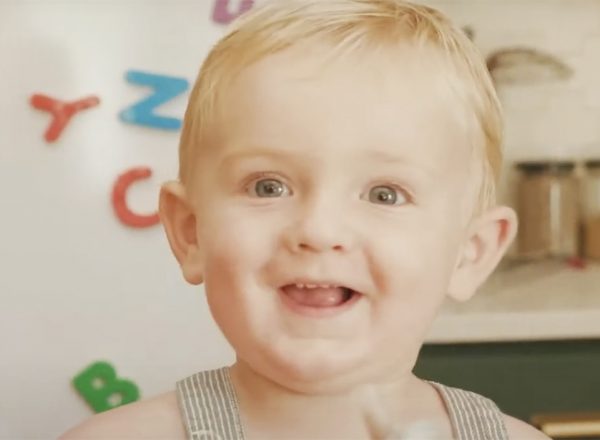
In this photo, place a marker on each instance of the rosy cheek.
(241, 239)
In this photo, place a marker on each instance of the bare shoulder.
(519, 430)
(157, 417)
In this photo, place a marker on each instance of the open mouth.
(316, 299)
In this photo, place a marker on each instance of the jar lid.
(535, 167)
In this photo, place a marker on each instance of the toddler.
(338, 166)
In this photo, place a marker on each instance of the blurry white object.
(385, 427)
(423, 430)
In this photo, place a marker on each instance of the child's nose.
(320, 228)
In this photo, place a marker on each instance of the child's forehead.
(386, 65)
(305, 94)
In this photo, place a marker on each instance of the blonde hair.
(346, 25)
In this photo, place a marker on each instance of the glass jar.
(591, 206)
(548, 209)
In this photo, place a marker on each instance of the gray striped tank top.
(210, 411)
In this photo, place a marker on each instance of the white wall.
(75, 285)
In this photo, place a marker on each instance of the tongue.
(317, 297)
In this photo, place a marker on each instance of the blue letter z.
(165, 89)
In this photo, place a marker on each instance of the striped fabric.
(210, 412)
(473, 417)
(209, 407)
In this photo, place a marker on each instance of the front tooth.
(311, 286)
(300, 286)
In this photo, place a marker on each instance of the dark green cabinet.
(523, 378)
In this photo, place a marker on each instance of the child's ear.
(489, 237)
(179, 221)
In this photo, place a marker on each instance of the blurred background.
(86, 274)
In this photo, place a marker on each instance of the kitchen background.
(81, 284)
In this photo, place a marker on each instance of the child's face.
(353, 173)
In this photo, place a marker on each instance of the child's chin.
(321, 384)
(313, 374)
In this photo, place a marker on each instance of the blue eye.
(270, 188)
(386, 195)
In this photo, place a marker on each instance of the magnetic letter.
(165, 88)
(102, 390)
(61, 111)
(222, 15)
(119, 199)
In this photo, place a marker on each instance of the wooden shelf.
(524, 302)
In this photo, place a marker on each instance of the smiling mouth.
(318, 300)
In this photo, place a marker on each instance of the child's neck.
(269, 410)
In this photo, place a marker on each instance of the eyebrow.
(378, 156)
(256, 153)
(384, 156)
